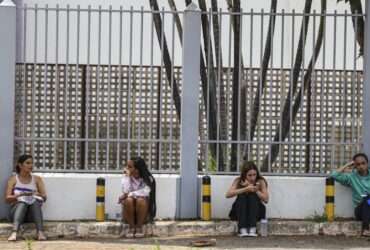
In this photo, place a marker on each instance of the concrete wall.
(72, 196)
(290, 197)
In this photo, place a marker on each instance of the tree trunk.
(356, 8)
(166, 57)
(235, 88)
(262, 79)
(308, 127)
(243, 91)
(298, 99)
(212, 88)
(219, 62)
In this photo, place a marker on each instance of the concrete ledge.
(184, 228)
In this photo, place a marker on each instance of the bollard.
(329, 198)
(206, 197)
(100, 199)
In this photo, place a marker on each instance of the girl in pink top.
(138, 196)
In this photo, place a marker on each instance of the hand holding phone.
(26, 194)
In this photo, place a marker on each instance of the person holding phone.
(355, 174)
(251, 191)
(138, 196)
(26, 193)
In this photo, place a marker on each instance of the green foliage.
(29, 243)
(318, 217)
(212, 165)
(157, 246)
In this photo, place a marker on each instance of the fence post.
(189, 113)
(7, 73)
(366, 91)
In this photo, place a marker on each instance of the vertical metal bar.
(97, 128)
(88, 90)
(239, 82)
(210, 17)
(219, 82)
(291, 96)
(66, 90)
(250, 80)
(171, 88)
(160, 91)
(344, 93)
(354, 83)
(228, 84)
(260, 92)
(312, 114)
(140, 111)
(151, 88)
(57, 82)
(109, 87)
(282, 75)
(270, 93)
(33, 84)
(334, 85)
(119, 89)
(129, 89)
(45, 83)
(24, 103)
(77, 78)
(323, 99)
(302, 128)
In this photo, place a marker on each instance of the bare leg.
(141, 211)
(129, 211)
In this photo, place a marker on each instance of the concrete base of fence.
(185, 228)
(298, 198)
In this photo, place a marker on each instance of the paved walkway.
(269, 243)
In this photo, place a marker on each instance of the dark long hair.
(149, 180)
(246, 167)
(21, 160)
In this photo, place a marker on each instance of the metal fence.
(95, 87)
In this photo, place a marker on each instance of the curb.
(186, 228)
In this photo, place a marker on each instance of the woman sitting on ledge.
(138, 197)
(251, 191)
(26, 193)
(355, 175)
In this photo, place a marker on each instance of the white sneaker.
(243, 232)
(13, 236)
(252, 232)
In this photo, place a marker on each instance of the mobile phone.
(27, 193)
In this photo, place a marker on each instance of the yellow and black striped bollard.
(100, 199)
(206, 197)
(329, 198)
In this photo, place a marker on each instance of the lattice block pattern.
(65, 104)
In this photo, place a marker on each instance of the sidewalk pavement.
(180, 243)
